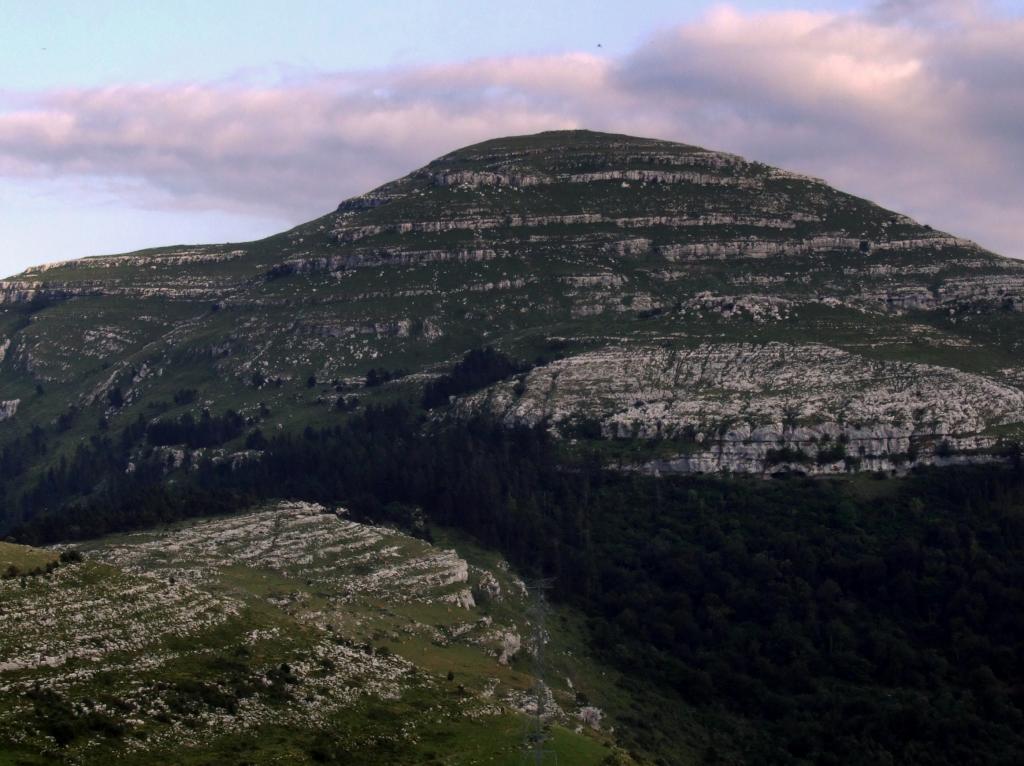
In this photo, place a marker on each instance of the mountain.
(543, 356)
(749, 318)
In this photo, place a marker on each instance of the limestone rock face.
(510, 646)
(9, 408)
(747, 408)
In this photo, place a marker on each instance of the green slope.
(287, 635)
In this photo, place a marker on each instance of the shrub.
(115, 397)
(787, 454)
(831, 454)
(478, 369)
(70, 556)
(378, 376)
(185, 396)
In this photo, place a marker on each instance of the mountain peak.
(561, 148)
(564, 139)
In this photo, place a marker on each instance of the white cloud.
(917, 108)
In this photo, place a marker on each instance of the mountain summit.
(688, 309)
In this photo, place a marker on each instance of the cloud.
(941, 12)
(921, 117)
(296, 149)
(916, 105)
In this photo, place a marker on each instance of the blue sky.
(51, 44)
(133, 124)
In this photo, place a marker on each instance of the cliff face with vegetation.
(744, 317)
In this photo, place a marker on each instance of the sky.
(133, 124)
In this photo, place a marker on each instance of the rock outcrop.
(754, 409)
(9, 408)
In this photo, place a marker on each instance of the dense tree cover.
(848, 631)
(20, 452)
(208, 431)
(477, 369)
(811, 621)
(103, 467)
(378, 376)
(185, 396)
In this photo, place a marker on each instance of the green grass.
(364, 738)
(24, 558)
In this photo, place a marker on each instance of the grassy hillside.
(23, 559)
(287, 635)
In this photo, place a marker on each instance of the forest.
(814, 620)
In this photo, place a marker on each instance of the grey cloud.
(919, 115)
(925, 119)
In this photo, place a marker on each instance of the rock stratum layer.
(749, 318)
(743, 408)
